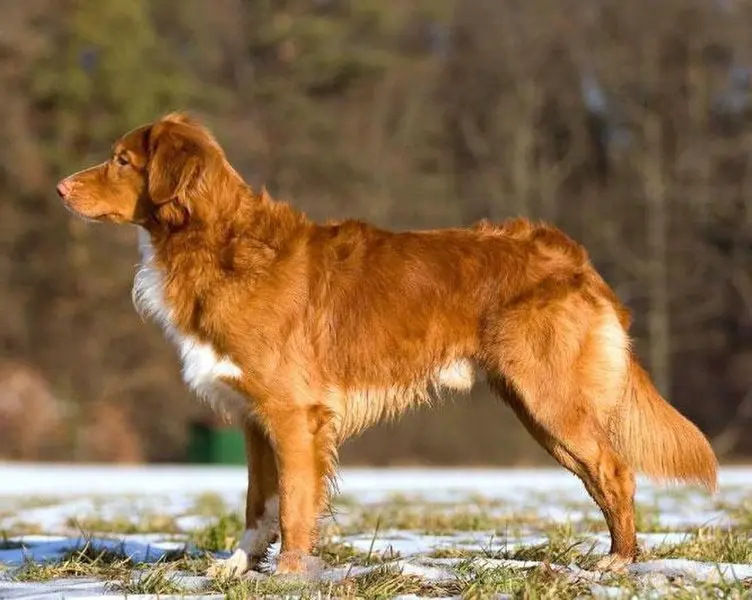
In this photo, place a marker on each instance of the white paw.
(238, 563)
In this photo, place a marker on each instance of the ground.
(71, 532)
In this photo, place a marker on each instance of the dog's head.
(159, 174)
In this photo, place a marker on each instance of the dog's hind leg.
(579, 444)
(561, 364)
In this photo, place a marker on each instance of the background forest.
(628, 124)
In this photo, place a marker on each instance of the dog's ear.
(176, 164)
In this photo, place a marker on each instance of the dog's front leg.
(303, 443)
(262, 505)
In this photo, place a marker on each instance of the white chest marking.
(202, 366)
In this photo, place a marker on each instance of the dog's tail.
(656, 439)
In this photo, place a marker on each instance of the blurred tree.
(107, 71)
(629, 124)
(96, 70)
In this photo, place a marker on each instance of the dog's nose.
(63, 188)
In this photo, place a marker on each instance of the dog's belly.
(458, 375)
(359, 408)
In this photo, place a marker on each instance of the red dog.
(315, 332)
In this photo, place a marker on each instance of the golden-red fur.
(331, 328)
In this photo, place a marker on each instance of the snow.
(53, 548)
(699, 571)
(51, 498)
(56, 480)
(54, 590)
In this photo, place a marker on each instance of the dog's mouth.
(110, 218)
(104, 217)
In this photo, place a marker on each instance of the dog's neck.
(248, 229)
(193, 266)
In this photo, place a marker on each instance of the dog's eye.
(122, 160)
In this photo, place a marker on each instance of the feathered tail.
(657, 440)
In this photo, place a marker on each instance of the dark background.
(628, 124)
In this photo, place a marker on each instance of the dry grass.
(477, 581)
(711, 544)
(146, 523)
(86, 562)
(159, 580)
(221, 535)
(474, 576)
(435, 519)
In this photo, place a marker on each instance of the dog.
(313, 332)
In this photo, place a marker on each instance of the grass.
(473, 577)
(243, 588)
(740, 513)
(224, 533)
(95, 562)
(337, 553)
(564, 546)
(18, 528)
(381, 582)
(159, 579)
(10, 505)
(209, 505)
(86, 562)
(221, 535)
(711, 544)
(404, 513)
(385, 582)
(647, 519)
(476, 581)
(146, 523)
(434, 519)
(561, 548)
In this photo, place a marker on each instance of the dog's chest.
(204, 370)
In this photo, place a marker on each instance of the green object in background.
(214, 444)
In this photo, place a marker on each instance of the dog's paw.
(234, 566)
(289, 563)
(613, 563)
(298, 564)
